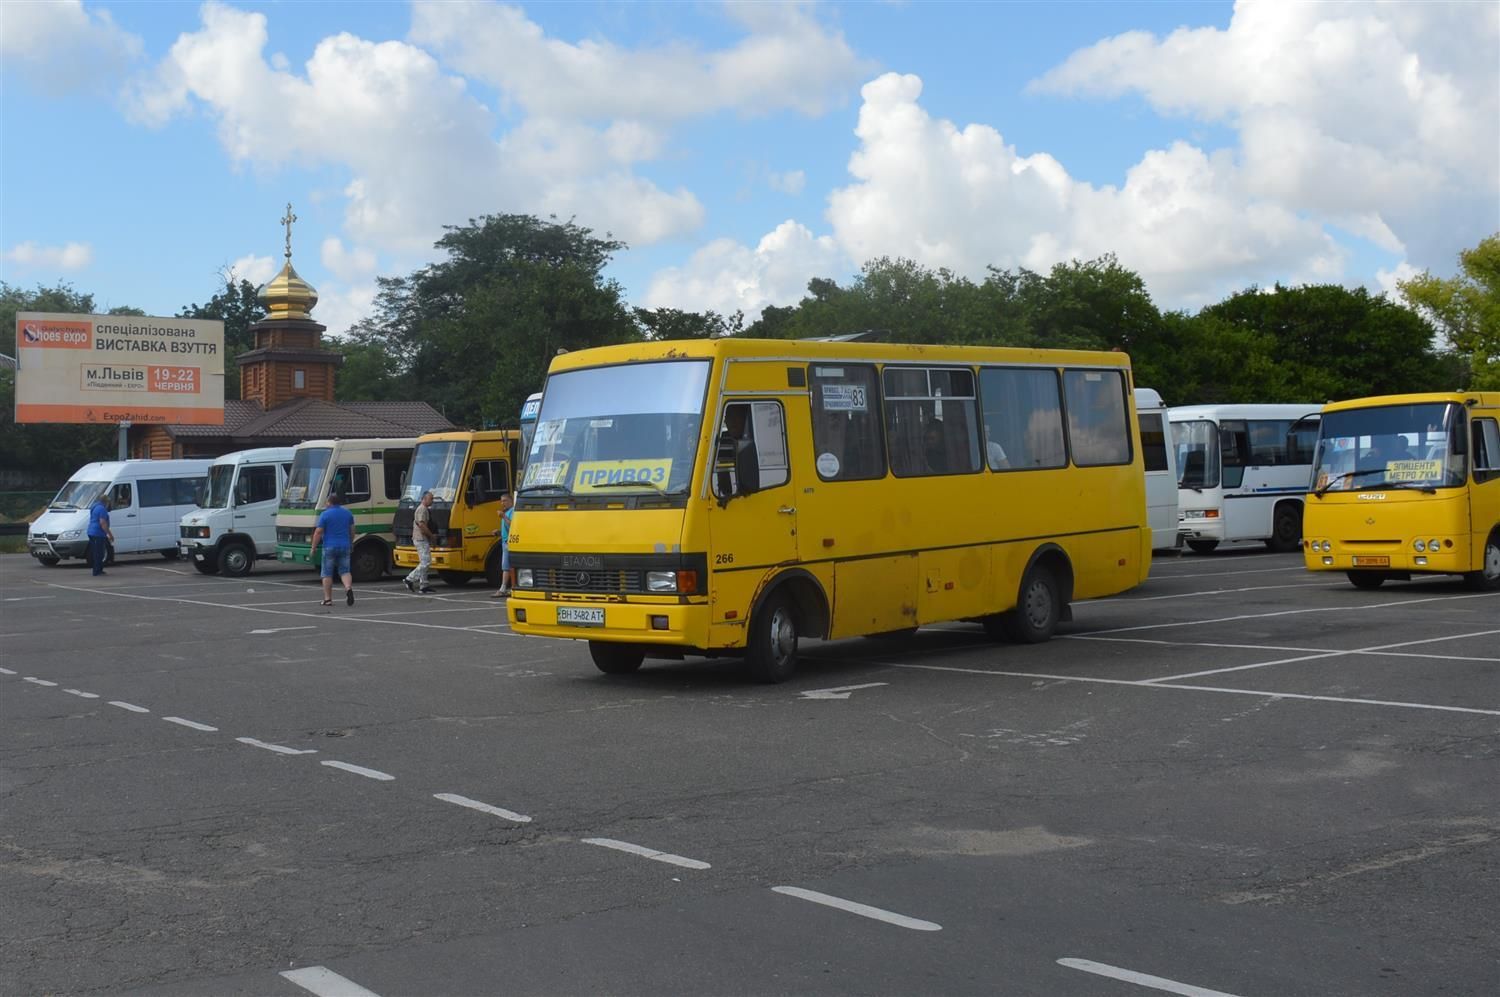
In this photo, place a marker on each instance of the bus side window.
(119, 496)
(846, 431)
(1153, 441)
(1486, 450)
(1022, 418)
(488, 481)
(396, 463)
(750, 452)
(1234, 447)
(1097, 427)
(351, 482)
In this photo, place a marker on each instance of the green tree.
(474, 332)
(236, 305)
(369, 373)
(672, 323)
(1466, 308)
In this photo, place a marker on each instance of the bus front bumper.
(1400, 558)
(674, 625)
(1200, 527)
(297, 554)
(443, 558)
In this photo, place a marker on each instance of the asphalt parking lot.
(1240, 778)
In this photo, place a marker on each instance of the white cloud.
(341, 305)
(347, 264)
(790, 182)
(1387, 280)
(725, 276)
(421, 151)
(256, 269)
(73, 256)
(60, 47)
(787, 60)
(1383, 119)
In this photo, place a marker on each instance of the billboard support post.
(124, 448)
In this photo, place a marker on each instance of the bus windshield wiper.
(1420, 486)
(1350, 475)
(629, 484)
(541, 488)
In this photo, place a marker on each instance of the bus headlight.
(71, 534)
(678, 582)
(1432, 544)
(1419, 546)
(523, 578)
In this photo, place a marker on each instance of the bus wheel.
(50, 560)
(236, 560)
(1286, 529)
(109, 555)
(368, 562)
(771, 653)
(457, 579)
(208, 566)
(615, 659)
(1366, 579)
(1487, 578)
(492, 568)
(1037, 610)
(1202, 546)
(171, 554)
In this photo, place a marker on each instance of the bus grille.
(293, 534)
(602, 580)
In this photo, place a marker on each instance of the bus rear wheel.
(1038, 608)
(1487, 578)
(1202, 546)
(1365, 579)
(615, 659)
(771, 651)
(1286, 529)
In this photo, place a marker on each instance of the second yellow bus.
(733, 496)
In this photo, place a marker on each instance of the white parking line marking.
(864, 910)
(1373, 649)
(189, 723)
(650, 853)
(1264, 616)
(277, 630)
(1147, 684)
(6, 671)
(326, 983)
(1252, 588)
(464, 801)
(36, 681)
(171, 571)
(257, 609)
(81, 694)
(28, 598)
(280, 749)
(128, 706)
(1271, 647)
(358, 770)
(839, 692)
(1140, 979)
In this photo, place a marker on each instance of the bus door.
(753, 524)
(488, 478)
(1242, 516)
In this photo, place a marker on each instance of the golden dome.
(287, 295)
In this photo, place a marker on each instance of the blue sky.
(741, 149)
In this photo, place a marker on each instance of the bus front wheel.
(615, 659)
(1487, 578)
(1365, 579)
(1286, 529)
(368, 562)
(771, 653)
(1038, 609)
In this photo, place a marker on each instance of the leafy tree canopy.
(1467, 310)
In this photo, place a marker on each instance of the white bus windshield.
(220, 484)
(306, 477)
(78, 495)
(626, 428)
(1197, 450)
(1391, 446)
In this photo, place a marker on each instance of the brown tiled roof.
(315, 419)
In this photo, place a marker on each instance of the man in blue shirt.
(335, 531)
(100, 536)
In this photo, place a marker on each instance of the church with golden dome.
(287, 387)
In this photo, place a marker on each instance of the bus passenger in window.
(738, 439)
(993, 451)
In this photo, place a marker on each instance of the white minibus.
(1161, 470)
(148, 498)
(1243, 472)
(237, 521)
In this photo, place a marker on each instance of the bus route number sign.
(844, 398)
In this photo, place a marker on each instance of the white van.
(147, 498)
(236, 522)
(1161, 470)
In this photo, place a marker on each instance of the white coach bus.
(1161, 470)
(1243, 472)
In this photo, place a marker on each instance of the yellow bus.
(731, 496)
(466, 472)
(1407, 485)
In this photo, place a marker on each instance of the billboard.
(119, 368)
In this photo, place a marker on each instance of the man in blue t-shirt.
(100, 536)
(335, 531)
